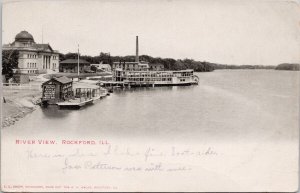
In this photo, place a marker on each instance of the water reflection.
(54, 112)
(124, 91)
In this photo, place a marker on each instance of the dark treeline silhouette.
(288, 66)
(231, 66)
(10, 62)
(169, 63)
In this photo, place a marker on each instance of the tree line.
(231, 66)
(10, 62)
(288, 66)
(169, 63)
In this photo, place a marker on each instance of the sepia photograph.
(150, 96)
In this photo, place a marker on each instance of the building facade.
(33, 58)
(71, 66)
(57, 89)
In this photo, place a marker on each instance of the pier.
(74, 103)
(78, 102)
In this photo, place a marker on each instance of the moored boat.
(157, 78)
(138, 73)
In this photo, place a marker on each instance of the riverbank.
(17, 104)
(20, 101)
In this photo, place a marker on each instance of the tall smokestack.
(137, 50)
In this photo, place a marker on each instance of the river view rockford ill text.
(63, 142)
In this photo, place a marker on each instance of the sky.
(254, 32)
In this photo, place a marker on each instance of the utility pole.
(78, 63)
(43, 34)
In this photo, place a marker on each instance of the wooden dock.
(75, 103)
(78, 103)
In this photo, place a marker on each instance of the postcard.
(144, 96)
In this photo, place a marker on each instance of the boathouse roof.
(63, 79)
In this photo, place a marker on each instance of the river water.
(226, 105)
(250, 116)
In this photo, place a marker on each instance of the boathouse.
(85, 91)
(57, 89)
(71, 66)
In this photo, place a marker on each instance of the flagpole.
(78, 64)
(42, 34)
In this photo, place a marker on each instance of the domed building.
(24, 37)
(33, 58)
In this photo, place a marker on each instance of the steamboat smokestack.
(137, 50)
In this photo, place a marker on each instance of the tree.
(105, 58)
(71, 56)
(288, 66)
(94, 68)
(61, 57)
(9, 62)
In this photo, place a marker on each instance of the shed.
(57, 89)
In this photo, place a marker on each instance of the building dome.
(24, 36)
